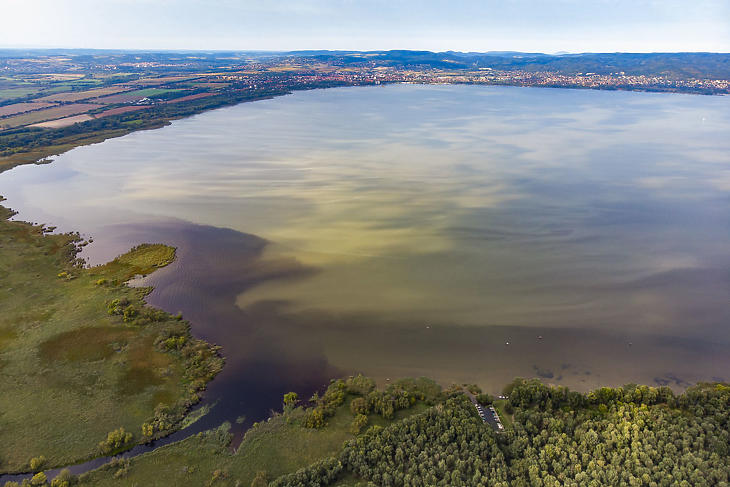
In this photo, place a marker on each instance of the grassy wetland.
(86, 368)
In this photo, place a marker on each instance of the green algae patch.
(82, 355)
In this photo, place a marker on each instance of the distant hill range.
(705, 65)
(674, 64)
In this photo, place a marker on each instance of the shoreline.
(45, 154)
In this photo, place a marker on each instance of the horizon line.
(345, 51)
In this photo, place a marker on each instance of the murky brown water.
(463, 233)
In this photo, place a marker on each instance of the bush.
(314, 418)
(358, 424)
(115, 440)
(64, 479)
(116, 306)
(36, 463)
(359, 406)
(290, 398)
(39, 479)
(485, 399)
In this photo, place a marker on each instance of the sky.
(438, 25)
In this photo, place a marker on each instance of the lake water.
(460, 232)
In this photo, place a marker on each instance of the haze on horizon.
(461, 25)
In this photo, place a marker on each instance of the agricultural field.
(190, 97)
(84, 95)
(46, 114)
(80, 354)
(120, 110)
(16, 108)
(64, 122)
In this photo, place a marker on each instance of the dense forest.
(632, 436)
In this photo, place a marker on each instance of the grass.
(72, 366)
(278, 446)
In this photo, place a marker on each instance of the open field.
(81, 355)
(46, 114)
(16, 108)
(63, 122)
(120, 110)
(84, 95)
(190, 97)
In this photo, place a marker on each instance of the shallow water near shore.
(469, 234)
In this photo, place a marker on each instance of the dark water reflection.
(463, 233)
(213, 266)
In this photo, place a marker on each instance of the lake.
(465, 233)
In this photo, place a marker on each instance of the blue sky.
(462, 25)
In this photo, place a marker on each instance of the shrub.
(360, 385)
(129, 313)
(291, 398)
(314, 418)
(147, 429)
(485, 399)
(36, 463)
(358, 424)
(116, 306)
(64, 479)
(39, 479)
(115, 440)
(359, 406)
(175, 342)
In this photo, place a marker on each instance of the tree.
(290, 399)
